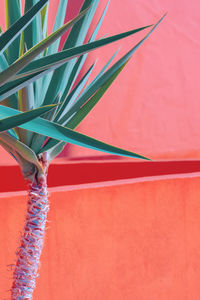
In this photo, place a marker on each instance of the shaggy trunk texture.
(28, 254)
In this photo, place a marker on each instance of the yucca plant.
(42, 103)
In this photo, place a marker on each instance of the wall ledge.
(76, 175)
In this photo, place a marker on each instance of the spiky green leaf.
(33, 33)
(90, 104)
(61, 133)
(100, 81)
(44, 65)
(71, 97)
(14, 31)
(44, 19)
(60, 17)
(13, 13)
(21, 118)
(55, 60)
(75, 38)
(83, 112)
(7, 74)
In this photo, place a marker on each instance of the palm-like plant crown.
(36, 80)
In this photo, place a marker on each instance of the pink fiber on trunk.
(28, 254)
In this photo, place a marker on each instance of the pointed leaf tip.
(21, 118)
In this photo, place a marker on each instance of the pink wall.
(153, 107)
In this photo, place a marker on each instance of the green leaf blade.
(84, 111)
(70, 98)
(21, 118)
(62, 57)
(91, 103)
(56, 131)
(28, 57)
(32, 34)
(13, 32)
(13, 13)
(56, 60)
(59, 21)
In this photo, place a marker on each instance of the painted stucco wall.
(136, 240)
(153, 107)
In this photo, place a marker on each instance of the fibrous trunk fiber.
(28, 254)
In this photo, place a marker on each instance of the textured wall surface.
(131, 241)
(153, 107)
(128, 241)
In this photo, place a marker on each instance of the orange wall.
(131, 241)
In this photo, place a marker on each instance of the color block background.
(136, 240)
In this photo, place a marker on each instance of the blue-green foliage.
(43, 76)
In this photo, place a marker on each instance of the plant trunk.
(28, 254)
